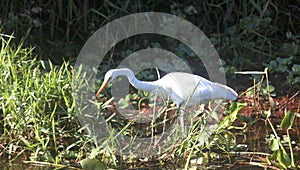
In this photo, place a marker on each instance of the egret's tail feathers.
(231, 94)
(224, 92)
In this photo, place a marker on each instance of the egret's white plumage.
(182, 88)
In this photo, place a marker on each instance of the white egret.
(182, 88)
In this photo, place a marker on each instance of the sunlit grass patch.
(36, 106)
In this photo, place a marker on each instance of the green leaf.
(123, 103)
(282, 157)
(296, 68)
(92, 164)
(272, 65)
(234, 109)
(288, 120)
(274, 143)
(250, 23)
(296, 80)
(279, 152)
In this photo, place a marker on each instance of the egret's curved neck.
(142, 85)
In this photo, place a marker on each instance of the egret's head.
(111, 75)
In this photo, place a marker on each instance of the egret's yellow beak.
(102, 88)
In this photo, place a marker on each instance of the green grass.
(36, 102)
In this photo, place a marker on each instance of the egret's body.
(182, 88)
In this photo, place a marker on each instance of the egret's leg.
(180, 112)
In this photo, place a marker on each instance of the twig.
(288, 100)
(50, 164)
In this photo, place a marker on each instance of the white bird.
(181, 88)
